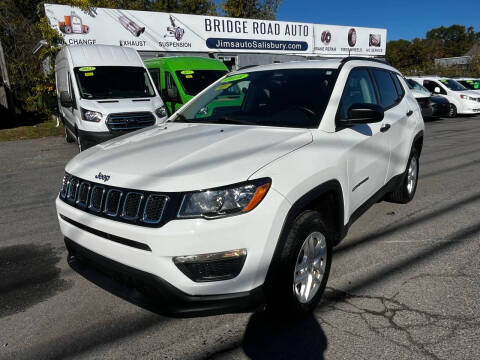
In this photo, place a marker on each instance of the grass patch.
(39, 130)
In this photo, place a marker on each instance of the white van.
(462, 100)
(103, 92)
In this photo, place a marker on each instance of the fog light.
(212, 267)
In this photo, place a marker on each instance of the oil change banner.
(155, 31)
(144, 30)
(347, 40)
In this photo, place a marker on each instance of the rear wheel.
(452, 112)
(406, 191)
(304, 265)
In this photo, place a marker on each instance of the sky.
(403, 19)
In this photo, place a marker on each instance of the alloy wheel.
(412, 175)
(310, 267)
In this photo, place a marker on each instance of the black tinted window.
(386, 87)
(398, 85)
(194, 81)
(283, 97)
(430, 85)
(358, 90)
(107, 82)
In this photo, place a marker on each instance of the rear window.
(471, 84)
(386, 87)
(398, 86)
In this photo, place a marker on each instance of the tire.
(453, 111)
(68, 137)
(297, 284)
(406, 191)
(352, 37)
(80, 144)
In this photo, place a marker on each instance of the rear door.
(368, 150)
(395, 123)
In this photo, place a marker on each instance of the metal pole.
(3, 67)
(5, 87)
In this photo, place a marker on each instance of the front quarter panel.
(312, 165)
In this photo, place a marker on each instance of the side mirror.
(436, 90)
(65, 99)
(173, 95)
(364, 114)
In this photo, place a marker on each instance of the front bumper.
(470, 107)
(91, 138)
(171, 300)
(257, 232)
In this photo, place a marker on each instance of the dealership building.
(237, 42)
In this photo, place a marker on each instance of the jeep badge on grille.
(103, 177)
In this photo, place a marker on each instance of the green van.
(178, 79)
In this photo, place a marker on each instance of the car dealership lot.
(404, 283)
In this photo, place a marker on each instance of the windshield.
(287, 98)
(111, 82)
(413, 85)
(453, 85)
(194, 81)
(471, 84)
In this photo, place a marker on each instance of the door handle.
(385, 127)
(410, 113)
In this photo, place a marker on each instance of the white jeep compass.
(237, 201)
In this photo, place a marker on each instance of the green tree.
(253, 9)
(456, 39)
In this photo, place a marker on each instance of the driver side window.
(358, 89)
(431, 85)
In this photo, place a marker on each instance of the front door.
(368, 150)
(172, 94)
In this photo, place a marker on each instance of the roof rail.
(351, 58)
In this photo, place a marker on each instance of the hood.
(183, 157)
(109, 106)
(473, 93)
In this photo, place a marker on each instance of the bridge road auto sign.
(156, 31)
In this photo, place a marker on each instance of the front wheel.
(452, 112)
(68, 137)
(303, 267)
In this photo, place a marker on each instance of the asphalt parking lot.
(404, 284)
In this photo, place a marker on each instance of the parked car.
(470, 83)
(178, 79)
(462, 100)
(441, 106)
(433, 106)
(242, 208)
(422, 95)
(103, 92)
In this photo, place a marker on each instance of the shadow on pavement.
(275, 337)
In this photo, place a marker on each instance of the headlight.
(220, 202)
(161, 112)
(89, 115)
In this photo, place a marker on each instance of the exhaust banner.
(156, 31)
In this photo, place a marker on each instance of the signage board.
(156, 31)
(348, 40)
